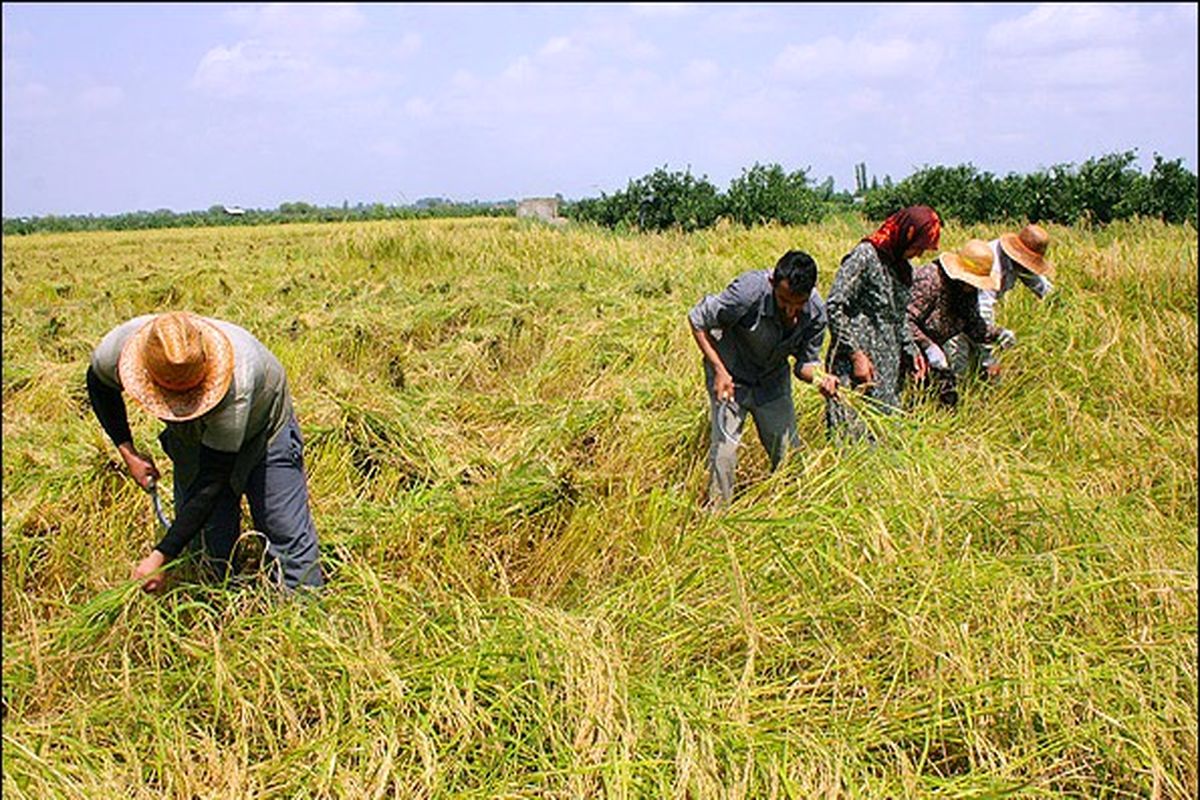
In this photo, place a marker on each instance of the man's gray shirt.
(256, 407)
(751, 338)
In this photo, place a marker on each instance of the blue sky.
(112, 108)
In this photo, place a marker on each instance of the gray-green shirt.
(751, 338)
(255, 408)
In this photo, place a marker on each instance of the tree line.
(297, 211)
(1099, 190)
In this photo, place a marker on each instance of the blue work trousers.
(277, 491)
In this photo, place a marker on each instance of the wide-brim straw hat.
(177, 348)
(972, 264)
(1028, 248)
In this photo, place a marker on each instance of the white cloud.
(557, 45)
(419, 108)
(308, 22)
(409, 45)
(616, 40)
(519, 71)
(28, 100)
(292, 50)
(101, 97)
(1114, 67)
(701, 70)
(13, 38)
(237, 71)
(860, 57)
(867, 101)
(740, 20)
(1050, 28)
(256, 69)
(387, 148)
(464, 79)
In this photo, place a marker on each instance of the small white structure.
(234, 211)
(543, 208)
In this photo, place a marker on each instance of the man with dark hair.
(746, 334)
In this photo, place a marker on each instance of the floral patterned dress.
(867, 309)
(941, 309)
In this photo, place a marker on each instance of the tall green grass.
(506, 439)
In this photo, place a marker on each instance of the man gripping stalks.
(230, 431)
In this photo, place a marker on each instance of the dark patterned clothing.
(867, 309)
(942, 308)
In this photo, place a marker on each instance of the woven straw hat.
(971, 264)
(1028, 248)
(177, 366)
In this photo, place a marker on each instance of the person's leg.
(947, 386)
(727, 421)
(278, 493)
(776, 425)
(843, 425)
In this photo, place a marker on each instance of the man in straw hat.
(945, 304)
(230, 431)
(1016, 257)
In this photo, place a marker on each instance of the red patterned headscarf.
(915, 225)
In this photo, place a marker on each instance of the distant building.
(543, 208)
(234, 211)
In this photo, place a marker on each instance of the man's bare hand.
(140, 467)
(723, 385)
(146, 569)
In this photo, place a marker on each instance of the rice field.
(506, 439)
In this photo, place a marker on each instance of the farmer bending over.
(230, 430)
(1017, 257)
(746, 334)
(945, 304)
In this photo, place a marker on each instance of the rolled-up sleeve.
(724, 309)
(811, 353)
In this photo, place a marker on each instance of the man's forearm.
(215, 468)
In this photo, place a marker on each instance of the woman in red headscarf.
(868, 327)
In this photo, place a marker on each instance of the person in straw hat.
(945, 304)
(230, 431)
(1016, 257)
